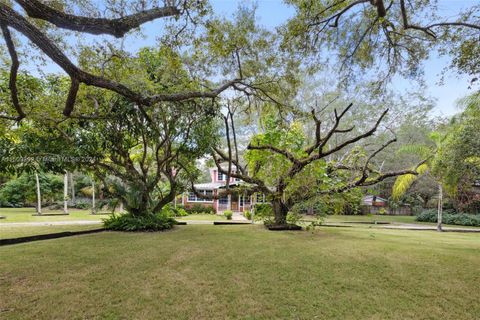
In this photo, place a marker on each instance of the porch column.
(229, 204)
(239, 209)
(183, 199)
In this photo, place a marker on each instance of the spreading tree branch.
(115, 27)
(13, 71)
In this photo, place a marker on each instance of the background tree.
(459, 155)
(281, 159)
(97, 18)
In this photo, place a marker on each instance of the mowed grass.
(9, 232)
(25, 215)
(244, 272)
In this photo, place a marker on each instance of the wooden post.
(440, 208)
(72, 188)
(94, 211)
(39, 195)
(65, 193)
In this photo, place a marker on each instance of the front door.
(234, 205)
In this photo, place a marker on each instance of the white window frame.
(197, 199)
(220, 176)
(223, 198)
(262, 198)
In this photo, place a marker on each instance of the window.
(219, 176)
(192, 197)
(241, 201)
(223, 200)
(260, 198)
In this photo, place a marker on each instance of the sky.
(272, 13)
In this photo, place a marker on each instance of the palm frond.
(404, 182)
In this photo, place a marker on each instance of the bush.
(263, 211)
(179, 212)
(127, 222)
(199, 209)
(248, 215)
(228, 214)
(82, 205)
(293, 217)
(449, 217)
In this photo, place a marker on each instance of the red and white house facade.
(237, 201)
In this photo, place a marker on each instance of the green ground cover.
(244, 272)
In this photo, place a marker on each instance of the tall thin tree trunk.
(39, 195)
(440, 208)
(65, 193)
(94, 211)
(72, 188)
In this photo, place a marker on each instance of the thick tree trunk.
(280, 211)
(65, 193)
(39, 195)
(440, 208)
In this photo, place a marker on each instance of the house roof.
(208, 186)
(369, 198)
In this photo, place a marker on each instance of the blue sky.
(272, 13)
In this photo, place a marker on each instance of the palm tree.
(429, 153)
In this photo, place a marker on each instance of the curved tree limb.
(13, 72)
(11, 18)
(115, 27)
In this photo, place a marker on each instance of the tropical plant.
(429, 153)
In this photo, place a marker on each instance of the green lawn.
(7, 232)
(25, 215)
(244, 272)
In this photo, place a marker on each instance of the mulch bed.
(229, 222)
(283, 227)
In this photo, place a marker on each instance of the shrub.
(293, 217)
(228, 214)
(449, 217)
(248, 215)
(200, 209)
(180, 212)
(127, 222)
(263, 211)
(82, 205)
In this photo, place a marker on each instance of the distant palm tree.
(427, 152)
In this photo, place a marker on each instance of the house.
(238, 201)
(374, 201)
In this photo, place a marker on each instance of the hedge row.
(448, 217)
